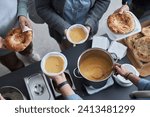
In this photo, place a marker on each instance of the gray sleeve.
(143, 84)
(95, 13)
(22, 8)
(50, 16)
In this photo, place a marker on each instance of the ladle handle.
(76, 73)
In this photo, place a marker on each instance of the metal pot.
(11, 93)
(100, 53)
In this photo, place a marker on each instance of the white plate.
(114, 36)
(119, 49)
(100, 42)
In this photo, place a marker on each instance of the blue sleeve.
(73, 97)
(22, 8)
(143, 85)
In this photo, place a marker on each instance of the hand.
(122, 9)
(88, 28)
(120, 70)
(65, 32)
(1, 97)
(24, 22)
(1, 42)
(59, 78)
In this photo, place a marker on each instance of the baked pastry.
(142, 49)
(131, 40)
(121, 23)
(16, 40)
(146, 31)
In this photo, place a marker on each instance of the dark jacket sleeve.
(4, 52)
(124, 1)
(95, 13)
(50, 16)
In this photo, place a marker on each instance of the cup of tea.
(54, 63)
(77, 34)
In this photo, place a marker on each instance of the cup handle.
(76, 73)
(115, 57)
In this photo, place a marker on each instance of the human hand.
(88, 28)
(59, 78)
(24, 22)
(1, 97)
(122, 9)
(120, 69)
(1, 42)
(65, 32)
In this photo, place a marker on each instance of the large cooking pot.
(95, 67)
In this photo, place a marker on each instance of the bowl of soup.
(54, 63)
(77, 34)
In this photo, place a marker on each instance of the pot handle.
(140, 94)
(115, 57)
(76, 73)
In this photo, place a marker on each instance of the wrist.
(127, 75)
(59, 80)
(62, 84)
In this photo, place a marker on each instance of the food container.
(38, 87)
(57, 54)
(102, 57)
(82, 29)
(11, 93)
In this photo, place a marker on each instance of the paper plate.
(100, 42)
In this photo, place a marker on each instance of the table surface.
(115, 92)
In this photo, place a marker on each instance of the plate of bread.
(119, 26)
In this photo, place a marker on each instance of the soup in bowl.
(53, 63)
(77, 34)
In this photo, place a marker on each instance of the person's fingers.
(1, 97)
(22, 24)
(65, 31)
(28, 24)
(117, 68)
(117, 64)
(121, 11)
(2, 43)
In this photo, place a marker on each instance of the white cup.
(53, 54)
(77, 26)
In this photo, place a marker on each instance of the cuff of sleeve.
(64, 27)
(22, 12)
(89, 22)
(142, 84)
(73, 97)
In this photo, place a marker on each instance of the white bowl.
(123, 84)
(53, 54)
(77, 26)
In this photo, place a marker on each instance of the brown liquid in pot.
(95, 67)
